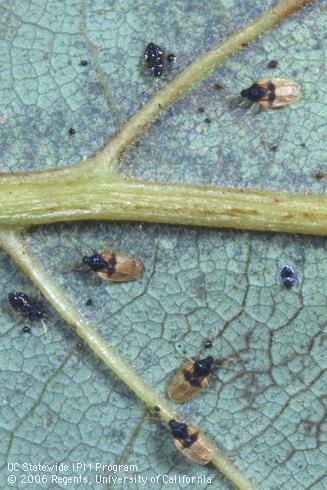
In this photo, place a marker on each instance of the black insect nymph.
(288, 276)
(254, 93)
(95, 262)
(22, 303)
(154, 59)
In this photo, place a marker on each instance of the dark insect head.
(179, 431)
(254, 93)
(16, 299)
(171, 58)
(95, 262)
(203, 367)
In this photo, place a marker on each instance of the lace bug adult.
(114, 266)
(190, 379)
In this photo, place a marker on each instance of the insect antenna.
(71, 246)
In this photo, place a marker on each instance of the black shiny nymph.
(154, 59)
(288, 276)
(24, 305)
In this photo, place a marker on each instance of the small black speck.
(171, 58)
(26, 329)
(303, 145)
(320, 175)
(273, 148)
(89, 302)
(308, 427)
(71, 131)
(219, 363)
(218, 86)
(272, 64)
(157, 408)
(207, 120)
(288, 276)
(244, 45)
(200, 109)
(83, 63)
(208, 344)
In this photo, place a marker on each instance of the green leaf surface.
(267, 404)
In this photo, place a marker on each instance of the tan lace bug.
(190, 379)
(114, 266)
